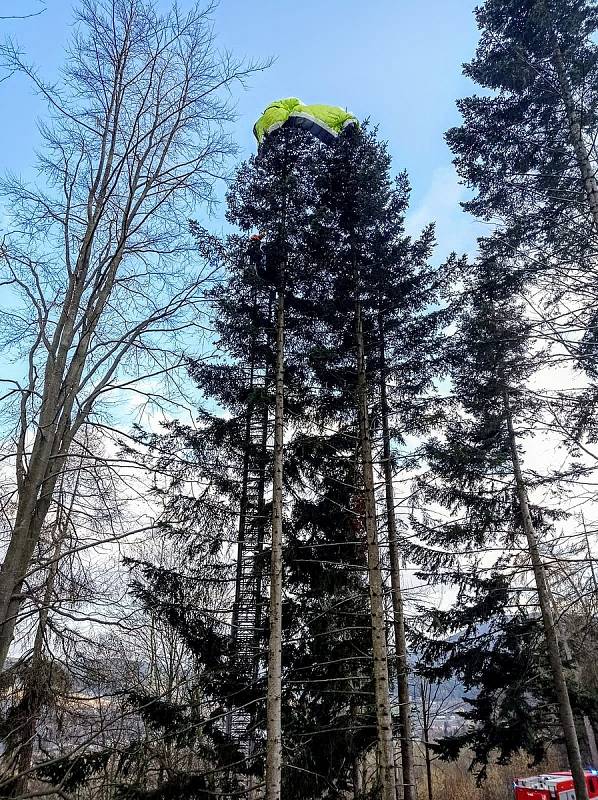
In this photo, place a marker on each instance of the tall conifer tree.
(371, 282)
(479, 462)
(527, 146)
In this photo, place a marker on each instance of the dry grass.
(454, 781)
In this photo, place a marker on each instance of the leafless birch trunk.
(582, 155)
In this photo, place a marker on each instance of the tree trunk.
(564, 639)
(26, 532)
(242, 523)
(357, 778)
(591, 737)
(274, 692)
(425, 700)
(247, 444)
(593, 747)
(590, 184)
(407, 760)
(381, 687)
(550, 630)
(582, 156)
(261, 507)
(36, 672)
(254, 792)
(428, 758)
(52, 442)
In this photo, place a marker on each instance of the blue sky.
(396, 61)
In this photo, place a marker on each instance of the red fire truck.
(553, 786)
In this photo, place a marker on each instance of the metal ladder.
(247, 614)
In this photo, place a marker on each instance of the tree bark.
(588, 726)
(425, 698)
(591, 737)
(357, 778)
(564, 639)
(274, 692)
(36, 672)
(33, 506)
(407, 760)
(582, 156)
(550, 630)
(381, 684)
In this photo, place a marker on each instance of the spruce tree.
(354, 189)
(492, 355)
(352, 278)
(403, 363)
(494, 647)
(370, 282)
(268, 201)
(329, 716)
(527, 146)
(276, 201)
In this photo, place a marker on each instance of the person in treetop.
(254, 249)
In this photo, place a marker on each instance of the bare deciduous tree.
(35, 11)
(97, 258)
